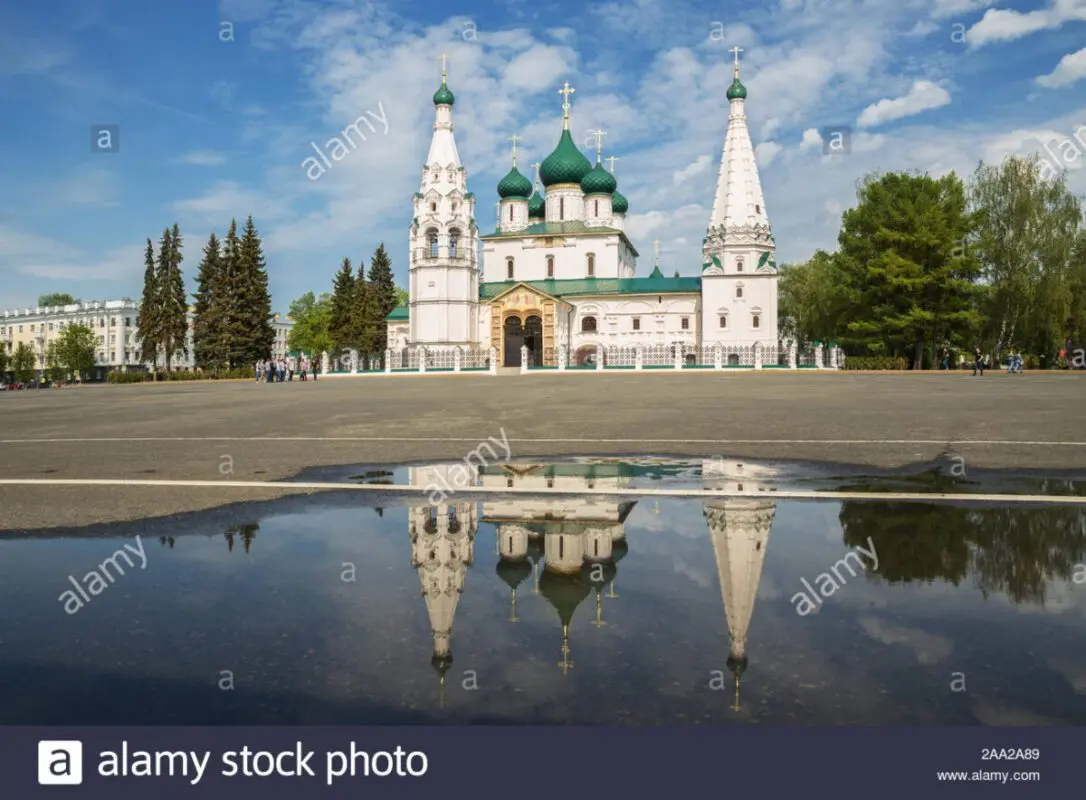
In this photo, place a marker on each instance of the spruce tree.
(174, 303)
(257, 334)
(343, 320)
(209, 329)
(147, 322)
(384, 298)
(233, 300)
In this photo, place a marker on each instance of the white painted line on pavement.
(475, 439)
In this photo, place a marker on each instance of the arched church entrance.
(513, 339)
(533, 339)
(585, 356)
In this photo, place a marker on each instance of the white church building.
(558, 282)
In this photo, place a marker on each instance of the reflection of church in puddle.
(567, 548)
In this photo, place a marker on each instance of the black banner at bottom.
(531, 762)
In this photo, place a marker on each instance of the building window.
(757, 209)
(686, 323)
(431, 239)
(588, 325)
(433, 207)
(637, 323)
(757, 320)
(50, 326)
(739, 264)
(550, 266)
(510, 212)
(723, 321)
(455, 206)
(591, 265)
(127, 321)
(509, 268)
(739, 291)
(597, 207)
(561, 208)
(454, 240)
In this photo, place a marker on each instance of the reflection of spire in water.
(739, 529)
(441, 550)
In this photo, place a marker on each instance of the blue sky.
(217, 104)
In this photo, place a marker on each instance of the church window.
(561, 208)
(739, 264)
(739, 291)
(686, 323)
(597, 207)
(509, 483)
(510, 212)
(509, 268)
(757, 320)
(723, 321)
(431, 241)
(591, 265)
(595, 547)
(588, 325)
(757, 209)
(454, 240)
(637, 323)
(510, 544)
(561, 547)
(433, 206)
(550, 266)
(455, 206)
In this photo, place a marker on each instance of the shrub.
(187, 375)
(875, 363)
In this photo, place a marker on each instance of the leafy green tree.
(812, 305)
(1027, 235)
(75, 348)
(148, 326)
(403, 297)
(173, 303)
(342, 325)
(23, 362)
(4, 359)
(311, 317)
(56, 299)
(210, 338)
(255, 331)
(54, 366)
(901, 258)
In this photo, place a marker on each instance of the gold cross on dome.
(612, 159)
(536, 167)
(443, 57)
(514, 139)
(566, 91)
(736, 51)
(599, 143)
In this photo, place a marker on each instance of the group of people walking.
(277, 370)
(981, 361)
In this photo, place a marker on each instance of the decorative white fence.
(717, 356)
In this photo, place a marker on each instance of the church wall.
(570, 257)
(564, 204)
(719, 295)
(660, 320)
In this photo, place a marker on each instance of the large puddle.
(353, 608)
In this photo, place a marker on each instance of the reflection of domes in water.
(619, 549)
(535, 548)
(565, 592)
(514, 573)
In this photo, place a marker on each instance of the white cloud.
(955, 8)
(922, 28)
(41, 257)
(539, 66)
(204, 158)
(1000, 25)
(812, 139)
(227, 200)
(923, 96)
(766, 152)
(700, 165)
(1072, 68)
(88, 185)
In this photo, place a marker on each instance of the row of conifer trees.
(232, 314)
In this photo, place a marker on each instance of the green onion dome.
(443, 97)
(514, 185)
(737, 91)
(566, 164)
(619, 203)
(598, 181)
(537, 208)
(564, 592)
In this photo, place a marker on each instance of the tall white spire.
(739, 213)
(443, 152)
